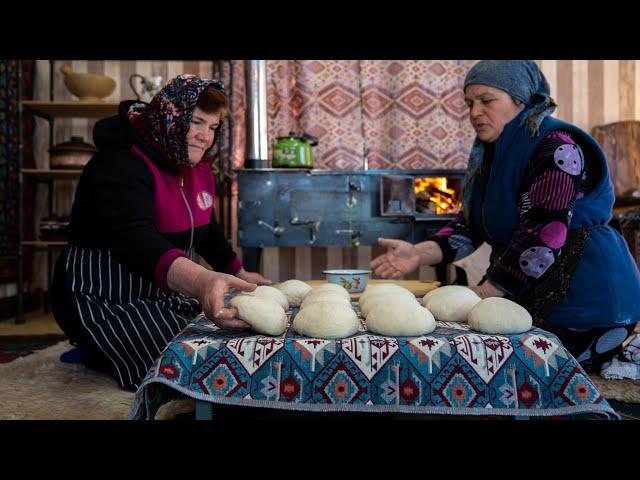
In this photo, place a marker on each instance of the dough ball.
(266, 291)
(328, 297)
(294, 290)
(451, 303)
(263, 314)
(375, 296)
(400, 318)
(331, 287)
(499, 315)
(381, 288)
(326, 320)
(371, 302)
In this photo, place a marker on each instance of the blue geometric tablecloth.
(451, 371)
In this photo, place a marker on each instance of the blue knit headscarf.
(523, 80)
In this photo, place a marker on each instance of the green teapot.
(293, 151)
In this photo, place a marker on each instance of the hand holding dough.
(263, 314)
(499, 315)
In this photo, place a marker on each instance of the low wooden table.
(418, 287)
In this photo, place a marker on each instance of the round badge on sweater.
(205, 200)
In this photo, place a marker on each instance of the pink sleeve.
(162, 267)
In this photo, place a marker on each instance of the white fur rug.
(41, 387)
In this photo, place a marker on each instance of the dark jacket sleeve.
(122, 193)
(217, 251)
(457, 239)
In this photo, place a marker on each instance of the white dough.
(382, 288)
(376, 296)
(331, 287)
(327, 297)
(400, 317)
(372, 301)
(266, 291)
(451, 303)
(263, 314)
(499, 315)
(326, 320)
(294, 290)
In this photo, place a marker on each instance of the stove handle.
(277, 230)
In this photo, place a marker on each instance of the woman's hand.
(252, 277)
(211, 290)
(487, 289)
(401, 258)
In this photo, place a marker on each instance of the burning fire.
(433, 195)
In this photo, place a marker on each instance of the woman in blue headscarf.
(538, 191)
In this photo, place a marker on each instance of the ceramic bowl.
(88, 87)
(355, 281)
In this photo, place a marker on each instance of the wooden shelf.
(75, 109)
(52, 174)
(43, 243)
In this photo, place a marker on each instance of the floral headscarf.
(163, 123)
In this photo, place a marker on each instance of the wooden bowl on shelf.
(88, 87)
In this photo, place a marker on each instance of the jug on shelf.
(147, 86)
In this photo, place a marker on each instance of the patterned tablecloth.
(452, 371)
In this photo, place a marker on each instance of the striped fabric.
(552, 190)
(128, 318)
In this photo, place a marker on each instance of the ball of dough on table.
(266, 291)
(327, 297)
(451, 303)
(294, 290)
(331, 287)
(326, 320)
(372, 301)
(378, 295)
(385, 289)
(400, 317)
(499, 315)
(263, 314)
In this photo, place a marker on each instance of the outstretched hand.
(401, 258)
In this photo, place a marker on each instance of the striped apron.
(129, 319)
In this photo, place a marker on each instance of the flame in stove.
(434, 195)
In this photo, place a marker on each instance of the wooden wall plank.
(611, 91)
(303, 267)
(626, 89)
(596, 93)
(580, 93)
(565, 87)
(318, 262)
(127, 68)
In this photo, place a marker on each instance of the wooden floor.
(36, 323)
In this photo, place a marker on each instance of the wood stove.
(328, 208)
